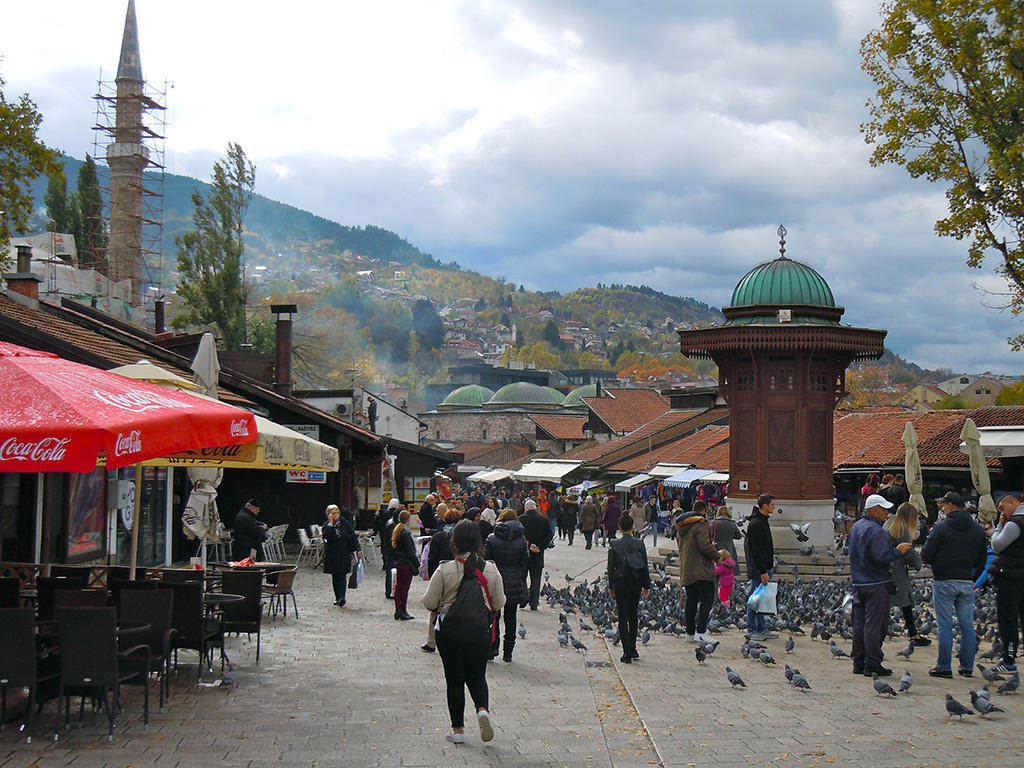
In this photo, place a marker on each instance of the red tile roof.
(624, 410)
(697, 448)
(562, 427)
(491, 454)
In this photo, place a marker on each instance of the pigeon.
(522, 630)
(699, 653)
(563, 639)
(882, 687)
(547, 576)
(584, 627)
(837, 652)
(800, 531)
(954, 707)
(791, 672)
(766, 658)
(566, 628)
(577, 644)
(790, 645)
(561, 618)
(709, 648)
(645, 638)
(1011, 685)
(734, 679)
(801, 682)
(983, 693)
(989, 673)
(906, 681)
(983, 705)
(907, 652)
(994, 652)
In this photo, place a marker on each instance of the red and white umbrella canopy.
(61, 416)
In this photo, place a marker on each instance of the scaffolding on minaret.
(128, 148)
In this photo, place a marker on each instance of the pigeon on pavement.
(1011, 685)
(699, 653)
(983, 705)
(563, 639)
(989, 673)
(882, 687)
(790, 645)
(954, 707)
(734, 679)
(837, 652)
(522, 630)
(907, 652)
(577, 644)
(906, 681)
(801, 682)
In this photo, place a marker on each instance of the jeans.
(870, 617)
(756, 622)
(955, 598)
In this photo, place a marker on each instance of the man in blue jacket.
(871, 552)
(955, 550)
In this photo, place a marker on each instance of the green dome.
(576, 396)
(782, 282)
(523, 393)
(556, 396)
(469, 396)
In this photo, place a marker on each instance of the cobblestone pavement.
(351, 687)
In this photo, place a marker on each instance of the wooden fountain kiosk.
(782, 357)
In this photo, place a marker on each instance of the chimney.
(283, 349)
(23, 281)
(597, 389)
(159, 324)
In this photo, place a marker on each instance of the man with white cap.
(871, 552)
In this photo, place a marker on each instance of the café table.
(213, 599)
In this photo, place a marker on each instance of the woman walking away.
(406, 563)
(440, 551)
(724, 532)
(629, 579)
(903, 527)
(588, 519)
(465, 592)
(697, 557)
(506, 548)
(340, 543)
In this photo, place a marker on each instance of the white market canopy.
(1000, 441)
(633, 482)
(667, 470)
(490, 475)
(545, 470)
(687, 476)
(716, 477)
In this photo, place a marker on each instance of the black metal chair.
(193, 629)
(20, 665)
(117, 586)
(90, 663)
(245, 615)
(10, 592)
(155, 609)
(78, 572)
(181, 575)
(79, 598)
(45, 587)
(121, 572)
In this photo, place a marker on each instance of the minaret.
(127, 156)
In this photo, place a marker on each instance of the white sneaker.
(486, 731)
(455, 737)
(704, 637)
(691, 638)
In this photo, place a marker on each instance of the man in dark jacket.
(538, 536)
(760, 557)
(506, 547)
(871, 552)
(955, 550)
(610, 520)
(897, 493)
(1008, 544)
(250, 533)
(629, 579)
(428, 515)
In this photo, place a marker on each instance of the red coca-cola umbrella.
(61, 416)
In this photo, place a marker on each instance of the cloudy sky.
(557, 143)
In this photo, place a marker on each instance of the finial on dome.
(782, 240)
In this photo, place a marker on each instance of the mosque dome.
(782, 291)
(575, 397)
(524, 393)
(469, 396)
(556, 397)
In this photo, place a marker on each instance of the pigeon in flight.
(800, 531)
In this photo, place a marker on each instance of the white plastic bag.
(359, 571)
(769, 598)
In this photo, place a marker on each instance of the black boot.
(509, 645)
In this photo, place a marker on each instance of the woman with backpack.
(466, 593)
(506, 548)
(406, 563)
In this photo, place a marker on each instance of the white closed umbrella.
(912, 468)
(979, 471)
(200, 516)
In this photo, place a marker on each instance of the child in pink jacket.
(726, 578)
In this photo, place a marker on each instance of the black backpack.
(470, 621)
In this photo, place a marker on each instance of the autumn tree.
(949, 107)
(211, 281)
(23, 157)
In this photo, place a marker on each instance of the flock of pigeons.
(817, 608)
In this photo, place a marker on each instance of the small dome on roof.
(556, 396)
(469, 396)
(523, 393)
(575, 397)
(782, 282)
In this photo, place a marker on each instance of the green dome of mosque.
(782, 282)
(523, 393)
(575, 397)
(469, 396)
(556, 397)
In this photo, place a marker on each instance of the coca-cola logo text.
(44, 449)
(137, 400)
(240, 428)
(127, 444)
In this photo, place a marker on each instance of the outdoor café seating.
(193, 629)
(45, 587)
(245, 615)
(278, 592)
(79, 598)
(155, 610)
(10, 592)
(181, 575)
(21, 666)
(71, 572)
(117, 586)
(91, 665)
